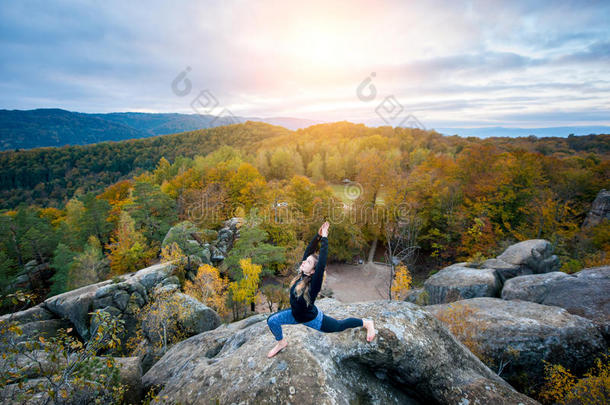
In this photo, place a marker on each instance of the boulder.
(417, 296)
(35, 313)
(130, 374)
(412, 360)
(586, 293)
(457, 282)
(524, 333)
(533, 256)
(76, 305)
(197, 317)
(193, 316)
(600, 209)
(506, 271)
(532, 288)
(33, 330)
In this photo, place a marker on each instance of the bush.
(562, 387)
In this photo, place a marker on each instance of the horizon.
(442, 65)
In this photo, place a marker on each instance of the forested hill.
(26, 129)
(51, 176)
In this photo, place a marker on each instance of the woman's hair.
(302, 287)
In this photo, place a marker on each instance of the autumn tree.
(152, 210)
(252, 244)
(128, 249)
(209, 287)
(275, 294)
(401, 283)
(243, 291)
(89, 266)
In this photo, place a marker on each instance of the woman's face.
(307, 265)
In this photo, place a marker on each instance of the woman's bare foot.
(370, 329)
(279, 346)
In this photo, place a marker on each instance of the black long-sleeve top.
(300, 310)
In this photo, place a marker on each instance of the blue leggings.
(322, 322)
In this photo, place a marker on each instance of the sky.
(433, 63)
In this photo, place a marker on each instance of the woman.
(304, 289)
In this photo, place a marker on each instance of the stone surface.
(76, 305)
(537, 332)
(459, 282)
(35, 313)
(413, 359)
(586, 293)
(130, 374)
(533, 256)
(532, 288)
(600, 209)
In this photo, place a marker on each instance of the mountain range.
(26, 129)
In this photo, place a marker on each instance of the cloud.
(474, 62)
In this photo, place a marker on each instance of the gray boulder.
(532, 256)
(525, 333)
(457, 282)
(76, 305)
(412, 360)
(532, 288)
(600, 209)
(197, 317)
(35, 313)
(33, 330)
(130, 374)
(586, 293)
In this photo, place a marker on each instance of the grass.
(339, 190)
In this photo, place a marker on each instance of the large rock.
(533, 287)
(413, 359)
(532, 256)
(458, 282)
(35, 313)
(524, 333)
(76, 305)
(600, 209)
(586, 293)
(39, 362)
(197, 317)
(33, 330)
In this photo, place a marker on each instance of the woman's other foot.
(279, 346)
(370, 329)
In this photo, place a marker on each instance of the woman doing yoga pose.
(304, 289)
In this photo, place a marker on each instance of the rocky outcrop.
(458, 282)
(532, 288)
(130, 292)
(33, 276)
(188, 236)
(525, 333)
(38, 363)
(35, 313)
(600, 209)
(586, 293)
(532, 256)
(34, 322)
(413, 359)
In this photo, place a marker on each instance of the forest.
(92, 212)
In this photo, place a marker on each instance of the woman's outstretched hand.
(323, 231)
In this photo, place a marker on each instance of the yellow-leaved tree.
(402, 282)
(244, 290)
(128, 249)
(210, 288)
